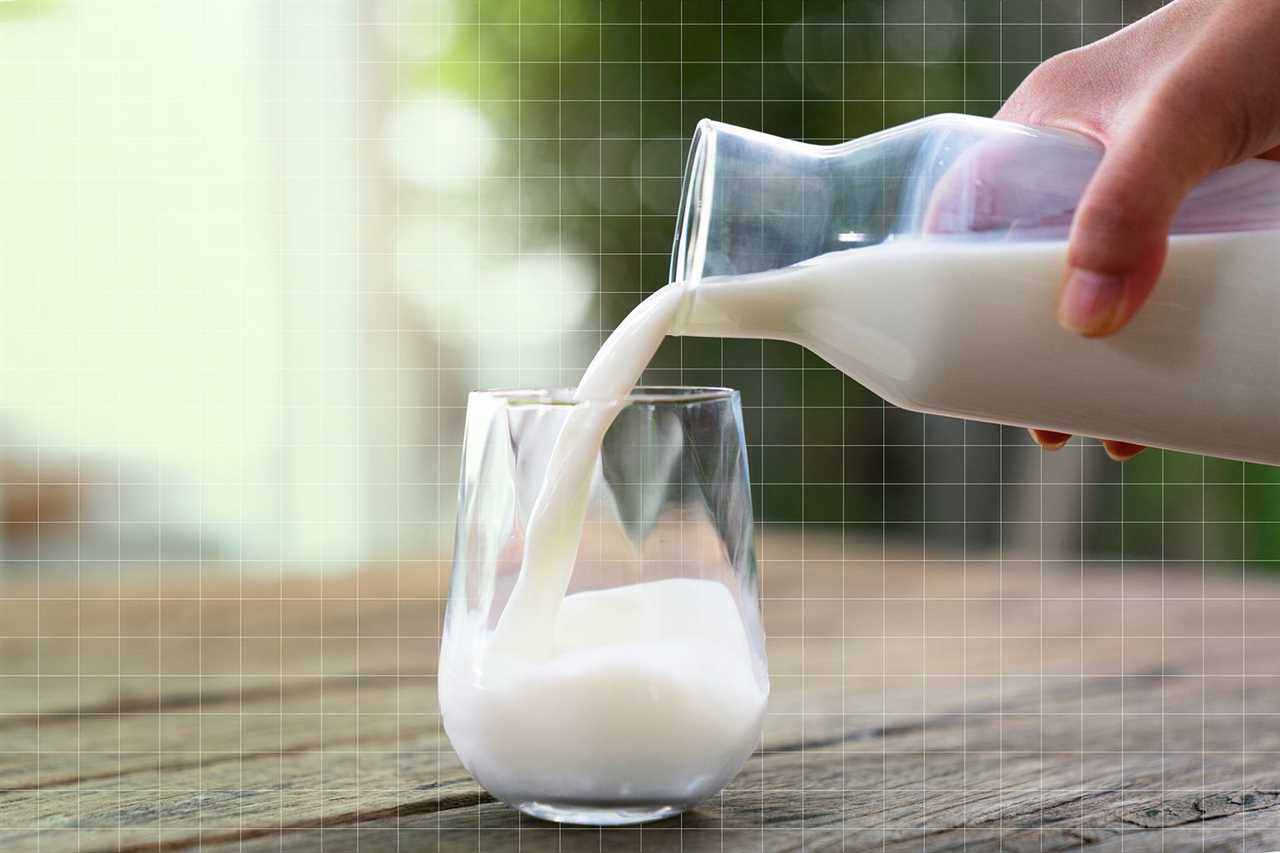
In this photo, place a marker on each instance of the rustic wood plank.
(938, 706)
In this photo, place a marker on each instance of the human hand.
(1183, 92)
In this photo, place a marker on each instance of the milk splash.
(555, 524)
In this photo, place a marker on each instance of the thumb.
(1120, 231)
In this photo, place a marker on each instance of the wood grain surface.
(952, 704)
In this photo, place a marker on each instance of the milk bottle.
(923, 261)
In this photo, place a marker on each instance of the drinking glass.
(652, 695)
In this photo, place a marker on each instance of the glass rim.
(661, 395)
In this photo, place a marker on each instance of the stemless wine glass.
(650, 694)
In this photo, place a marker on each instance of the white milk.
(647, 699)
(968, 329)
(555, 524)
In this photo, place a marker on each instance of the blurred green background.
(596, 101)
(257, 252)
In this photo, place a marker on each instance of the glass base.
(598, 814)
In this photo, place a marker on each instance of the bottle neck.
(753, 306)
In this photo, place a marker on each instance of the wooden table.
(946, 705)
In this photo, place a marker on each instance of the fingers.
(1050, 440)
(1120, 232)
(1120, 451)
(1001, 185)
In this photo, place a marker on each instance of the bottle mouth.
(689, 253)
(654, 395)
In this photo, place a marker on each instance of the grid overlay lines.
(984, 542)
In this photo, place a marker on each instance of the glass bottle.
(924, 261)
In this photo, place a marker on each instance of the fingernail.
(1050, 440)
(1122, 451)
(1090, 302)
